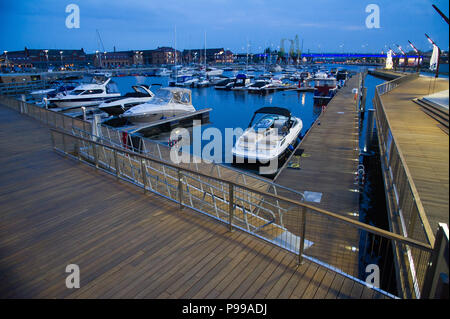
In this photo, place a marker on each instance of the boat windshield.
(162, 97)
(111, 87)
(271, 121)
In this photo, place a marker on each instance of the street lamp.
(6, 58)
(46, 57)
(61, 54)
(418, 55)
(438, 56)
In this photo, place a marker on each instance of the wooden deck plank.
(55, 211)
(424, 145)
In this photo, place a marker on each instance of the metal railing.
(22, 87)
(339, 243)
(407, 215)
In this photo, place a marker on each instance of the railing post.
(302, 234)
(116, 164)
(53, 139)
(144, 175)
(95, 150)
(230, 206)
(77, 148)
(436, 278)
(180, 189)
(64, 143)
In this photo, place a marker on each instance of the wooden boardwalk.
(56, 212)
(424, 145)
(328, 164)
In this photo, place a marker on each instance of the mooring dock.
(56, 211)
(329, 156)
(327, 165)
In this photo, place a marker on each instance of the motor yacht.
(265, 86)
(268, 136)
(56, 87)
(242, 82)
(224, 84)
(91, 94)
(325, 88)
(213, 71)
(163, 72)
(118, 105)
(167, 102)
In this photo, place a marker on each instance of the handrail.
(417, 200)
(352, 222)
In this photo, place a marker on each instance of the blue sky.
(323, 25)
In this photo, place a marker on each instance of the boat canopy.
(274, 110)
(174, 95)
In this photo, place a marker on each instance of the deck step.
(436, 112)
(442, 124)
(433, 107)
(442, 127)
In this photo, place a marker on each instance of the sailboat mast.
(175, 52)
(247, 59)
(205, 52)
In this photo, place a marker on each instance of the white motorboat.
(118, 105)
(202, 83)
(224, 84)
(167, 102)
(270, 133)
(325, 88)
(91, 94)
(163, 72)
(56, 87)
(241, 83)
(103, 74)
(213, 71)
(184, 81)
(266, 86)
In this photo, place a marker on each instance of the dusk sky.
(323, 25)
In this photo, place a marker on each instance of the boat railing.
(340, 243)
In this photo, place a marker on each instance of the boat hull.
(153, 116)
